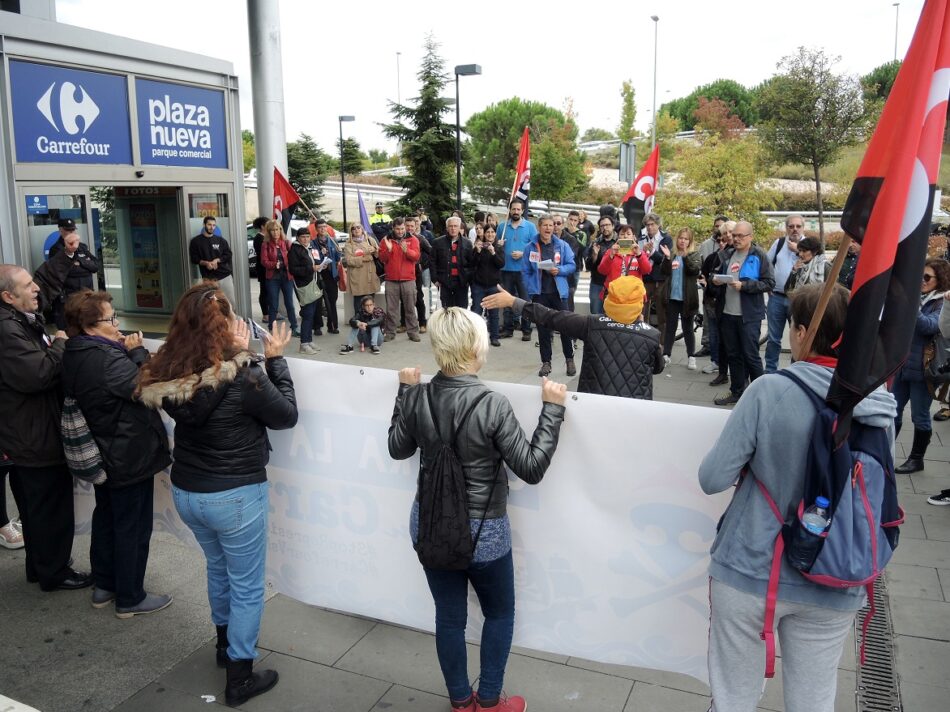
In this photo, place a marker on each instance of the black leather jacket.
(491, 435)
(221, 421)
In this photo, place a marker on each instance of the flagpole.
(831, 278)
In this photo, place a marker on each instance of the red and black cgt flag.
(522, 186)
(639, 199)
(285, 200)
(888, 212)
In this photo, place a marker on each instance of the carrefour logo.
(69, 115)
(69, 108)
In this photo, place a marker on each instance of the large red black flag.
(285, 199)
(888, 212)
(639, 199)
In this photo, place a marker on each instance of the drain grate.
(878, 689)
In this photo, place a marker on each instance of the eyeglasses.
(741, 234)
(928, 278)
(112, 320)
(795, 226)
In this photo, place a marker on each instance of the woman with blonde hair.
(275, 255)
(223, 398)
(680, 293)
(457, 409)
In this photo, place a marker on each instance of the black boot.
(221, 647)
(915, 461)
(243, 684)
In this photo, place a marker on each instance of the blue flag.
(364, 216)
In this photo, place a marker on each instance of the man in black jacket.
(652, 244)
(82, 266)
(212, 254)
(259, 270)
(451, 254)
(30, 409)
(621, 352)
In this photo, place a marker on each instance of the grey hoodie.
(769, 431)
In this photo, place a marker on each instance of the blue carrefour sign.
(181, 125)
(65, 115)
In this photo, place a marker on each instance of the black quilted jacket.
(619, 359)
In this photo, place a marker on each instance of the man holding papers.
(548, 264)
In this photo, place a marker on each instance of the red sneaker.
(503, 704)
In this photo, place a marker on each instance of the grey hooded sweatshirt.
(769, 430)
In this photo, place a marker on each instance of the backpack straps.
(451, 444)
(778, 248)
(771, 595)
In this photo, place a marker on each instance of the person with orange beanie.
(621, 352)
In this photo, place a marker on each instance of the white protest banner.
(611, 548)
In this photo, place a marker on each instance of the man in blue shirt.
(548, 267)
(513, 235)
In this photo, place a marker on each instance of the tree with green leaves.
(307, 169)
(557, 167)
(491, 151)
(378, 157)
(353, 157)
(596, 134)
(248, 150)
(628, 112)
(809, 114)
(428, 143)
(878, 82)
(729, 91)
(724, 174)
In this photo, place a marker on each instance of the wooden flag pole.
(831, 279)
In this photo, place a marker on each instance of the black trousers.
(121, 532)
(454, 294)
(262, 295)
(676, 312)
(48, 524)
(327, 303)
(742, 346)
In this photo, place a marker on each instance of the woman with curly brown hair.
(223, 402)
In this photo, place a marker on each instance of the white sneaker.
(10, 537)
(710, 367)
(691, 363)
(307, 349)
(666, 360)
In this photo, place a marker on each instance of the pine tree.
(307, 168)
(428, 143)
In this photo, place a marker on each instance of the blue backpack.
(857, 478)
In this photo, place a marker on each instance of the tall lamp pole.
(462, 70)
(342, 168)
(398, 101)
(897, 14)
(656, 25)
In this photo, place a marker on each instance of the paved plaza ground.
(58, 654)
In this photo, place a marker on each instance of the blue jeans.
(373, 338)
(778, 316)
(307, 314)
(596, 303)
(494, 584)
(275, 287)
(478, 293)
(513, 283)
(231, 527)
(545, 335)
(920, 401)
(742, 348)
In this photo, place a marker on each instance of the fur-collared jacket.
(221, 418)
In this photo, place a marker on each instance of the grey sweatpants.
(811, 640)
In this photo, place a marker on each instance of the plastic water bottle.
(816, 519)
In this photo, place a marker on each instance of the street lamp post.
(656, 25)
(462, 70)
(342, 168)
(897, 13)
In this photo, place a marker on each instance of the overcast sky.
(340, 57)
